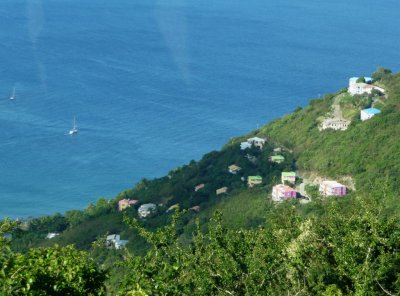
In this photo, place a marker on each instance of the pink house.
(332, 188)
(126, 203)
(282, 192)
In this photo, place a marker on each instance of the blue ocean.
(154, 84)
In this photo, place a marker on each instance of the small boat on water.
(13, 97)
(73, 130)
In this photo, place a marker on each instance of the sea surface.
(156, 83)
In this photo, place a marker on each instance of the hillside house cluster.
(126, 203)
(114, 240)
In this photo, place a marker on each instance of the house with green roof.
(277, 158)
(288, 177)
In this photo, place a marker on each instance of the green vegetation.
(259, 247)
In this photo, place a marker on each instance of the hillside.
(364, 156)
(366, 152)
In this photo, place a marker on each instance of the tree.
(361, 80)
(381, 73)
(47, 271)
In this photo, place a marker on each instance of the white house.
(116, 241)
(221, 190)
(335, 124)
(368, 113)
(244, 145)
(146, 210)
(359, 88)
(257, 142)
(51, 235)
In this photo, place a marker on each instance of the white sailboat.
(73, 130)
(13, 97)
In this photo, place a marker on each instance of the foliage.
(361, 80)
(52, 271)
(338, 253)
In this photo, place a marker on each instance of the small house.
(173, 208)
(359, 88)
(254, 180)
(116, 241)
(369, 113)
(198, 187)
(257, 142)
(146, 210)
(332, 188)
(221, 190)
(51, 235)
(288, 177)
(277, 158)
(335, 124)
(195, 209)
(233, 169)
(245, 145)
(278, 150)
(126, 203)
(282, 192)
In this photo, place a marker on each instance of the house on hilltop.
(282, 192)
(359, 88)
(369, 113)
(332, 188)
(257, 142)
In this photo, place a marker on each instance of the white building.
(244, 145)
(51, 235)
(359, 88)
(257, 142)
(146, 210)
(369, 113)
(335, 124)
(116, 241)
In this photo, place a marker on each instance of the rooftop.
(288, 174)
(372, 111)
